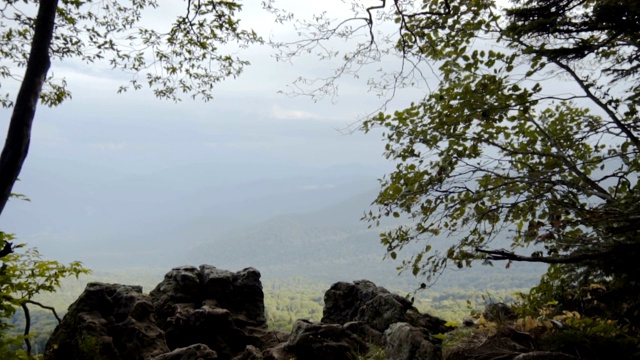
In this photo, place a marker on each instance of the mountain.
(331, 244)
(115, 218)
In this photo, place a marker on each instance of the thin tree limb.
(50, 308)
(27, 327)
(502, 254)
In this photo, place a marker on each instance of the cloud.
(284, 114)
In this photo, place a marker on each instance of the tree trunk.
(16, 146)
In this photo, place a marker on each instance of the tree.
(185, 59)
(23, 276)
(530, 133)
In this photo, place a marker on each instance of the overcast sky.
(100, 136)
(248, 117)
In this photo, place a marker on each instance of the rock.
(250, 353)
(209, 313)
(221, 309)
(196, 312)
(544, 355)
(108, 321)
(365, 332)
(191, 352)
(374, 305)
(506, 343)
(278, 352)
(406, 342)
(383, 310)
(317, 341)
(343, 300)
(239, 292)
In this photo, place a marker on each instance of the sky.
(246, 115)
(248, 132)
(107, 170)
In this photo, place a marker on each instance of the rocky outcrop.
(407, 342)
(315, 341)
(219, 308)
(194, 313)
(108, 321)
(208, 313)
(370, 310)
(191, 352)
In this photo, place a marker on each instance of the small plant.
(23, 275)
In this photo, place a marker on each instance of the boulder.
(365, 302)
(317, 341)
(195, 312)
(365, 332)
(407, 342)
(278, 352)
(544, 355)
(191, 352)
(250, 353)
(108, 321)
(238, 292)
(221, 309)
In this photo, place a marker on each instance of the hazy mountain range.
(284, 221)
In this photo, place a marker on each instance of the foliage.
(23, 276)
(526, 140)
(183, 58)
(188, 57)
(489, 152)
(569, 333)
(288, 300)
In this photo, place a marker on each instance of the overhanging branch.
(502, 254)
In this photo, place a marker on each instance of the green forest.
(513, 161)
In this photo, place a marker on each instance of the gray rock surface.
(194, 310)
(407, 342)
(191, 352)
(365, 302)
(317, 341)
(108, 321)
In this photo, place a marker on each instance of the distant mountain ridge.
(331, 244)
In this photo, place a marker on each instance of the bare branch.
(27, 327)
(628, 133)
(503, 254)
(50, 308)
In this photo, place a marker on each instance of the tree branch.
(630, 135)
(27, 327)
(595, 187)
(27, 320)
(502, 254)
(50, 308)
